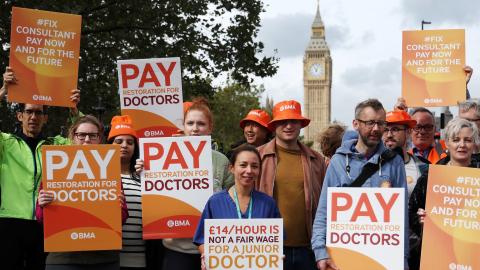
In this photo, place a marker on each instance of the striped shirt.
(133, 251)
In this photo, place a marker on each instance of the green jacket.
(20, 175)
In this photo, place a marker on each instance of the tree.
(212, 37)
(230, 105)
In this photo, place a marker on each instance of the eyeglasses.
(33, 112)
(372, 123)
(427, 128)
(82, 136)
(393, 130)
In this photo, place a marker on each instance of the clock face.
(316, 70)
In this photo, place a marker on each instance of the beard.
(370, 142)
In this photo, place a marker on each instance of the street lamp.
(425, 22)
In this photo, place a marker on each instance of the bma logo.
(122, 126)
(454, 266)
(153, 133)
(42, 98)
(82, 235)
(178, 223)
(287, 107)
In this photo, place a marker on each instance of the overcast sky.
(365, 43)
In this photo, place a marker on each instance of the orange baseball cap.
(258, 116)
(121, 125)
(288, 110)
(400, 117)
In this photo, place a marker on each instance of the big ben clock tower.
(317, 81)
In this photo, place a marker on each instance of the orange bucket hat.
(288, 110)
(258, 116)
(121, 125)
(400, 117)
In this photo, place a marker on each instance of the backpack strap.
(370, 168)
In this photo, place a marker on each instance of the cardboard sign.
(44, 54)
(86, 212)
(453, 219)
(365, 226)
(176, 183)
(432, 67)
(237, 244)
(151, 93)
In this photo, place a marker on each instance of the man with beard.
(347, 164)
(395, 135)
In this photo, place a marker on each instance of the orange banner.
(451, 233)
(44, 53)
(432, 67)
(178, 176)
(366, 226)
(151, 93)
(86, 212)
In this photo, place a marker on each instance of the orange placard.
(432, 67)
(86, 212)
(451, 233)
(366, 227)
(151, 93)
(178, 176)
(44, 53)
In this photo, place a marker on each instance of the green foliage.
(230, 105)
(212, 37)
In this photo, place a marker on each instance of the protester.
(348, 163)
(423, 136)
(330, 139)
(198, 121)
(133, 253)
(85, 131)
(395, 136)
(241, 200)
(255, 127)
(461, 136)
(292, 174)
(470, 110)
(255, 130)
(21, 245)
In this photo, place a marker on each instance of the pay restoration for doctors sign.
(85, 213)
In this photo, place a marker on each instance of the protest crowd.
(270, 173)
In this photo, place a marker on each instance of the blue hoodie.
(337, 176)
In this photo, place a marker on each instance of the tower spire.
(317, 22)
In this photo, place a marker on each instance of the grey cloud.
(338, 36)
(447, 11)
(290, 34)
(384, 73)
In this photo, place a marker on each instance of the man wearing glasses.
(423, 137)
(347, 164)
(395, 136)
(21, 244)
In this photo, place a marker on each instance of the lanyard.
(250, 204)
